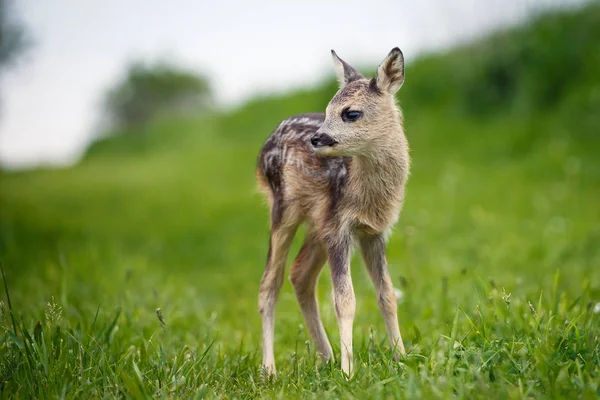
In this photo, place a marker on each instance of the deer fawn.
(343, 173)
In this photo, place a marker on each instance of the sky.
(50, 105)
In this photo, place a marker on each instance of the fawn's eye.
(351, 115)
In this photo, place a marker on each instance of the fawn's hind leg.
(373, 252)
(282, 235)
(304, 275)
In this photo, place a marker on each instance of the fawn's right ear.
(345, 73)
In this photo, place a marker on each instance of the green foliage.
(14, 39)
(150, 90)
(496, 253)
(528, 68)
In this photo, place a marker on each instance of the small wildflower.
(597, 308)
(399, 295)
(506, 297)
(160, 318)
(53, 312)
(532, 309)
(189, 355)
(371, 346)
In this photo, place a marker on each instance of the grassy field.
(497, 251)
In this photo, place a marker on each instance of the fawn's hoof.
(268, 371)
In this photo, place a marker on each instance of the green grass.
(497, 254)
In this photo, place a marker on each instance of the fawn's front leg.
(373, 252)
(343, 295)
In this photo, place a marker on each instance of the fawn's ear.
(345, 73)
(390, 74)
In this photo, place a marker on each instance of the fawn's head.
(363, 110)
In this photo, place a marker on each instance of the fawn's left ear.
(390, 74)
(345, 73)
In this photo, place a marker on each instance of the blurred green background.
(497, 248)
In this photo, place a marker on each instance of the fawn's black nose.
(321, 140)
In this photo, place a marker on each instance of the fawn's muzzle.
(322, 140)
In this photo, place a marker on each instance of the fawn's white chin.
(325, 150)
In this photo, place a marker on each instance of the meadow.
(497, 252)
